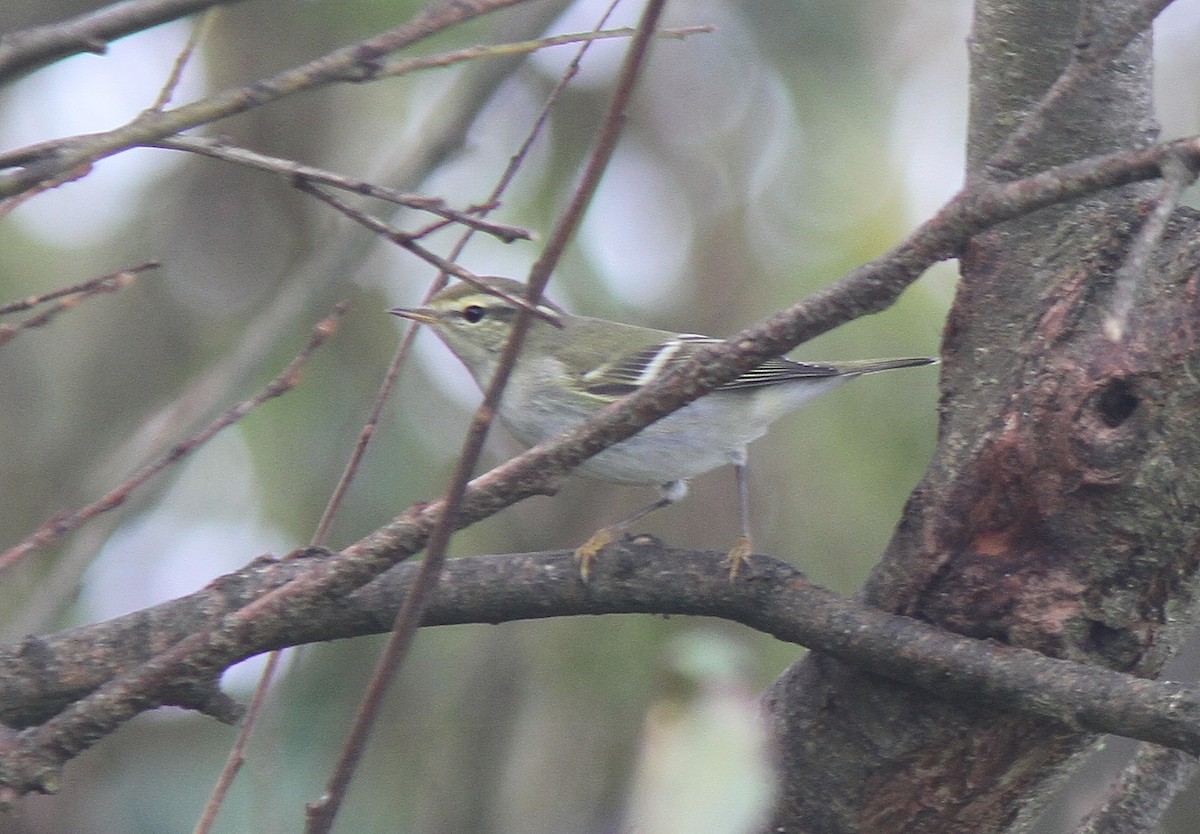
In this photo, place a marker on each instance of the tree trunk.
(1060, 510)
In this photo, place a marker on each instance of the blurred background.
(759, 163)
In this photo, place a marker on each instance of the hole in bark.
(1116, 403)
(1116, 645)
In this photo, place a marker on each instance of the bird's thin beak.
(421, 314)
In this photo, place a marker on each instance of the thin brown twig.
(539, 124)
(517, 159)
(71, 297)
(237, 753)
(404, 66)
(361, 62)
(321, 813)
(352, 64)
(407, 241)
(82, 287)
(219, 149)
(199, 31)
(59, 525)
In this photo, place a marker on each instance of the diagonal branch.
(1092, 52)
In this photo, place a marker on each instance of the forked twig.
(25, 168)
(71, 297)
(218, 149)
(90, 285)
(361, 62)
(409, 242)
(1090, 55)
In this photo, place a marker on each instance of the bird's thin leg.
(587, 552)
(739, 554)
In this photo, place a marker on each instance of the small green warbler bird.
(568, 372)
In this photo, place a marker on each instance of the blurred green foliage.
(760, 163)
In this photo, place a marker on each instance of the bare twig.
(101, 284)
(539, 125)
(409, 242)
(181, 60)
(58, 526)
(28, 49)
(361, 62)
(218, 149)
(514, 162)
(71, 298)
(404, 66)
(237, 753)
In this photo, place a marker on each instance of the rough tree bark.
(1060, 511)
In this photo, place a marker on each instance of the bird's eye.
(473, 314)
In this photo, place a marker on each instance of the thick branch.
(641, 577)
